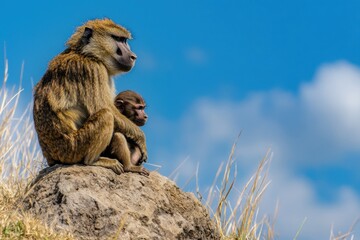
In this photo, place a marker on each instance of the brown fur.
(74, 114)
(131, 105)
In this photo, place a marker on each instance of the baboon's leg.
(135, 156)
(120, 149)
(87, 143)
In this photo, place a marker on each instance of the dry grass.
(20, 160)
(241, 220)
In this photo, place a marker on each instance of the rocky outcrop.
(95, 203)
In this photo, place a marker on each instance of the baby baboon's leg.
(135, 155)
(120, 150)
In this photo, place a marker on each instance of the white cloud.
(314, 128)
(334, 101)
(319, 125)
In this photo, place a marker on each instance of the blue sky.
(285, 73)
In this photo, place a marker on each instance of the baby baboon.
(132, 105)
(74, 112)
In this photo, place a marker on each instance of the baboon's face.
(113, 49)
(132, 105)
(108, 42)
(135, 112)
(123, 57)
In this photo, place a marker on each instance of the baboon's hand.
(118, 168)
(144, 172)
(110, 163)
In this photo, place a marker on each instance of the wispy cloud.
(317, 126)
(196, 55)
(299, 201)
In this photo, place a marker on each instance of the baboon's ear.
(120, 105)
(85, 39)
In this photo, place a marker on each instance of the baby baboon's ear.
(120, 104)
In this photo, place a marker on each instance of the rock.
(94, 203)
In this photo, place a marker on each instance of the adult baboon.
(74, 112)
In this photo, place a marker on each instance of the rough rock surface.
(95, 203)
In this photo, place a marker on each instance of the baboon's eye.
(119, 52)
(119, 39)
